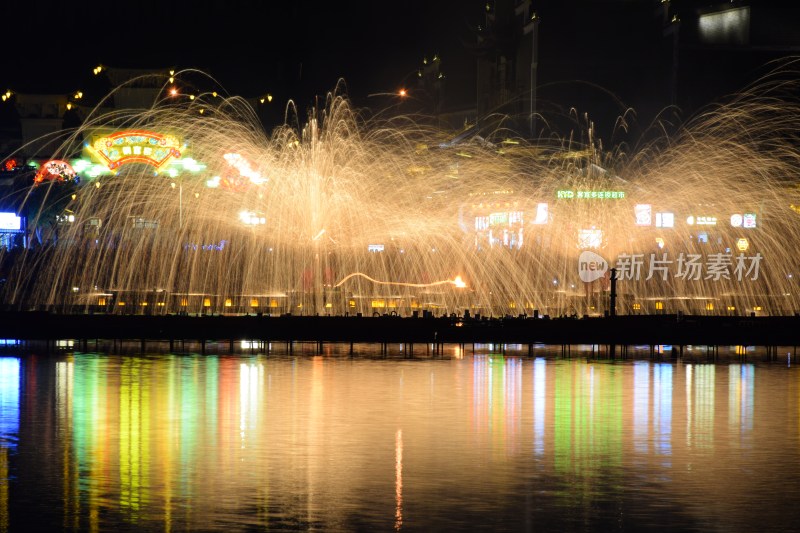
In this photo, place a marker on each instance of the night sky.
(598, 56)
(290, 49)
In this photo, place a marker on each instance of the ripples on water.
(456, 441)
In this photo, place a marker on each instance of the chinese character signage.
(587, 194)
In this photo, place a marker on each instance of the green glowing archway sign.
(135, 146)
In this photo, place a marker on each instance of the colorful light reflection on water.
(94, 442)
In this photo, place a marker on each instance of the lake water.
(461, 440)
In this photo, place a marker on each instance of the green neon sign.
(588, 194)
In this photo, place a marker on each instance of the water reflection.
(97, 442)
(9, 427)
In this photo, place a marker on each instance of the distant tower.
(507, 62)
(430, 84)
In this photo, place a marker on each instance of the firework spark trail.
(457, 282)
(510, 217)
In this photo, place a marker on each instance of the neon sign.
(54, 170)
(590, 238)
(665, 220)
(590, 195)
(748, 220)
(10, 222)
(643, 214)
(135, 146)
(701, 220)
(206, 247)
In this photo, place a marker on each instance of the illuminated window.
(253, 302)
(144, 304)
(101, 301)
(160, 304)
(731, 308)
(121, 304)
(709, 306)
(378, 303)
(637, 307)
(184, 302)
(659, 306)
(757, 308)
(206, 302)
(228, 302)
(328, 305)
(351, 303)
